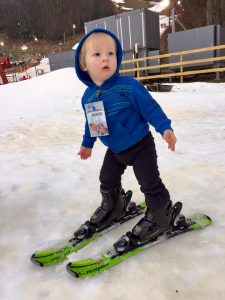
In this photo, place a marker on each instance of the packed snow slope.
(46, 192)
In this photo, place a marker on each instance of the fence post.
(138, 72)
(181, 69)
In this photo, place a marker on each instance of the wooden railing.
(180, 64)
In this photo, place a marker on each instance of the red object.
(25, 77)
(5, 62)
(3, 76)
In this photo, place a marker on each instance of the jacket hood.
(82, 75)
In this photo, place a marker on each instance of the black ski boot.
(149, 227)
(111, 208)
(115, 204)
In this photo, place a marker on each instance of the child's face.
(100, 58)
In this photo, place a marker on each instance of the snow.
(118, 1)
(46, 192)
(164, 23)
(158, 7)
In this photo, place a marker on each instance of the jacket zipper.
(97, 93)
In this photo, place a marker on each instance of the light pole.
(175, 17)
(24, 48)
(2, 44)
(74, 27)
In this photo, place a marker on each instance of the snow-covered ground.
(157, 6)
(46, 192)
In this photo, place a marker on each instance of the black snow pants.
(143, 158)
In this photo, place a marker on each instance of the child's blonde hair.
(83, 49)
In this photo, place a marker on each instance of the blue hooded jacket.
(129, 108)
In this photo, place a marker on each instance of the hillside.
(12, 47)
(191, 13)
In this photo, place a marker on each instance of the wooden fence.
(218, 66)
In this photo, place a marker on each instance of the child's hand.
(170, 138)
(84, 152)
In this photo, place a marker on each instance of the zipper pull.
(97, 93)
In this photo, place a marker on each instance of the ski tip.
(200, 221)
(209, 219)
(34, 261)
(68, 268)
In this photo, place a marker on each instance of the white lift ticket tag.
(96, 119)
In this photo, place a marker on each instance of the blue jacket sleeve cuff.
(164, 127)
(88, 142)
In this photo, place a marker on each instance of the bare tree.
(216, 12)
(50, 18)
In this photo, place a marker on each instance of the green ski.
(60, 252)
(107, 259)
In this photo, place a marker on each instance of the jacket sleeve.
(88, 141)
(149, 109)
